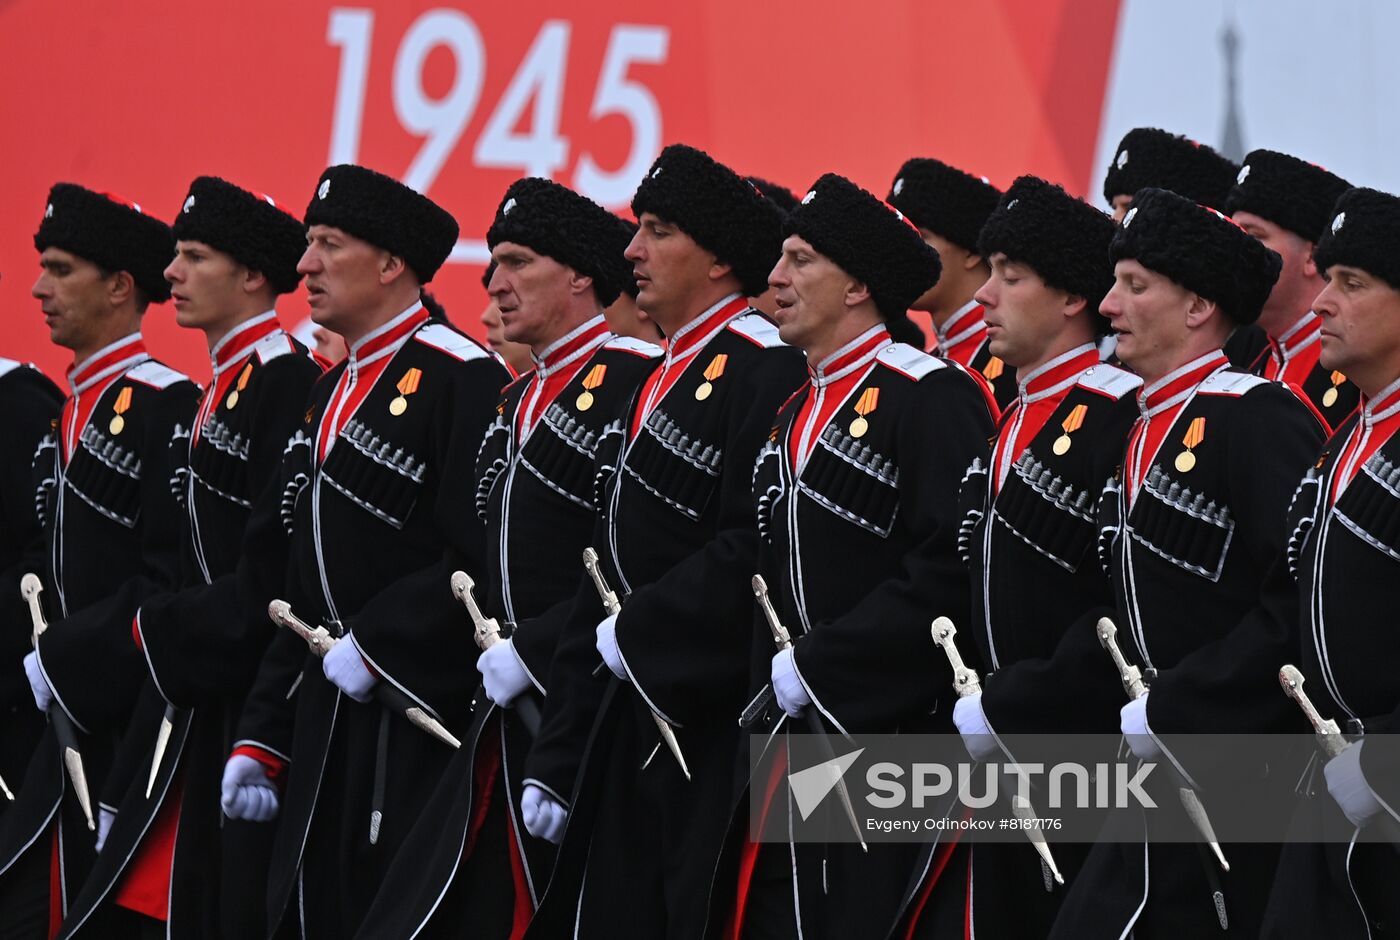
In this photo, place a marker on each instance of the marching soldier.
(28, 403)
(950, 207)
(861, 470)
(1151, 157)
(678, 547)
(379, 519)
(557, 262)
(111, 534)
(236, 252)
(1030, 534)
(1286, 203)
(1190, 525)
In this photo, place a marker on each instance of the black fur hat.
(385, 213)
(782, 197)
(868, 240)
(1200, 249)
(1149, 156)
(723, 212)
(1064, 239)
(944, 200)
(1287, 191)
(1363, 233)
(112, 233)
(574, 230)
(253, 230)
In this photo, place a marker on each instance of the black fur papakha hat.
(253, 230)
(1200, 249)
(112, 233)
(724, 213)
(1293, 193)
(944, 200)
(1364, 232)
(867, 239)
(1149, 156)
(1063, 239)
(385, 213)
(574, 230)
(782, 197)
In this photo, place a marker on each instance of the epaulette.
(155, 374)
(757, 329)
(457, 345)
(908, 361)
(273, 345)
(638, 347)
(1232, 383)
(8, 365)
(1110, 380)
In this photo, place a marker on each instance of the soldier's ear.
(391, 268)
(578, 283)
(1074, 305)
(1201, 311)
(719, 270)
(857, 292)
(253, 281)
(1310, 263)
(121, 286)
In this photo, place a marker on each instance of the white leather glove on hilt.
(346, 669)
(503, 675)
(245, 791)
(1347, 784)
(43, 695)
(972, 724)
(788, 689)
(1133, 722)
(542, 814)
(607, 646)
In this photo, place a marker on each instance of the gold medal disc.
(1185, 461)
(1329, 397)
(585, 401)
(398, 406)
(118, 422)
(703, 392)
(859, 426)
(1061, 446)
(232, 402)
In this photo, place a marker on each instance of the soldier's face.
(533, 293)
(344, 278)
(1024, 315)
(74, 296)
(1120, 205)
(811, 292)
(1148, 312)
(1297, 283)
(1360, 327)
(206, 286)
(952, 257)
(670, 269)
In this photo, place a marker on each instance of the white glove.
(245, 792)
(43, 695)
(972, 725)
(1133, 721)
(787, 688)
(543, 815)
(607, 646)
(503, 675)
(346, 669)
(1347, 784)
(105, 818)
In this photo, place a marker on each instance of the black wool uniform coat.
(860, 556)
(29, 402)
(678, 546)
(1187, 563)
(537, 500)
(377, 527)
(1035, 574)
(111, 540)
(202, 646)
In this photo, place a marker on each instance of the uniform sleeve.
(877, 665)
(703, 603)
(205, 641)
(536, 638)
(270, 709)
(414, 634)
(90, 660)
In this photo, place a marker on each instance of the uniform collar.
(233, 348)
(962, 325)
(1176, 386)
(581, 341)
(1385, 404)
(695, 334)
(1058, 374)
(107, 361)
(389, 337)
(1300, 336)
(856, 354)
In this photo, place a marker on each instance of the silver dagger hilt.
(29, 588)
(781, 637)
(319, 639)
(1130, 676)
(487, 629)
(590, 563)
(1327, 731)
(965, 680)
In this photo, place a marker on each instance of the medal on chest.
(119, 408)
